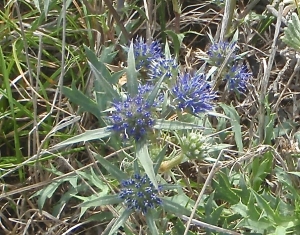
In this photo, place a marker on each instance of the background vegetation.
(244, 179)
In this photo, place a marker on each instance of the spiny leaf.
(142, 154)
(86, 136)
(132, 82)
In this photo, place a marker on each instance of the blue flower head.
(193, 94)
(237, 77)
(133, 117)
(144, 52)
(161, 66)
(219, 51)
(139, 193)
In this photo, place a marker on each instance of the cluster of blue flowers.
(139, 193)
(144, 53)
(134, 116)
(217, 53)
(235, 74)
(193, 94)
(237, 77)
(189, 92)
(163, 66)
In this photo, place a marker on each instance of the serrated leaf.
(108, 54)
(171, 186)
(49, 190)
(224, 190)
(162, 124)
(65, 198)
(154, 92)
(112, 169)
(85, 103)
(241, 209)
(269, 129)
(292, 33)
(235, 122)
(260, 170)
(179, 228)
(181, 198)
(265, 206)
(94, 199)
(132, 82)
(167, 51)
(174, 208)
(257, 226)
(120, 221)
(101, 216)
(142, 154)
(106, 86)
(99, 65)
(150, 220)
(73, 181)
(215, 114)
(296, 23)
(99, 201)
(98, 182)
(47, 193)
(160, 159)
(115, 77)
(86, 136)
(218, 147)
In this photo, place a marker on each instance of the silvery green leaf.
(86, 136)
(142, 154)
(132, 82)
(120, 221)
(162, 124)
(112, 169)
(292, 32)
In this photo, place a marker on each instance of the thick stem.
(168, 165)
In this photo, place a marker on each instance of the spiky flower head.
(145, 52)
(237, 77)
(139, 194)
(161, 66)
(133, 117)
(217, 53)
(193, 145)
(193, 94)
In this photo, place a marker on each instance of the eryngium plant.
(134, 112)
(137, 196)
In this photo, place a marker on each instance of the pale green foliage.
(292, 32)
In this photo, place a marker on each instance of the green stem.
(168, 165)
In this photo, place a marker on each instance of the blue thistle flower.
(217, 53)
(144, 52)
(161, 66)
(237, 77)
(139, 194)
(133, 117)
(193, 93)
